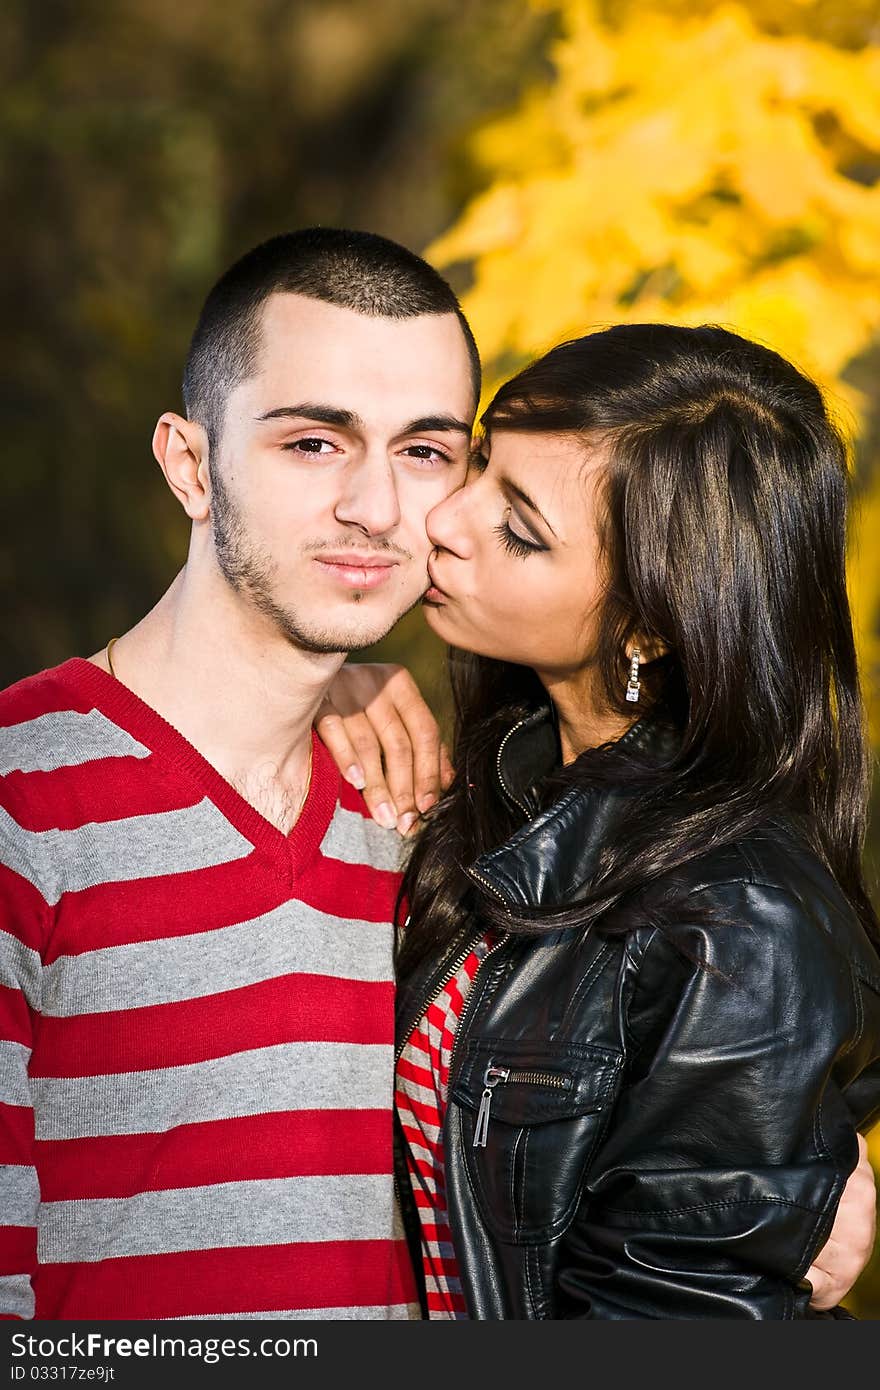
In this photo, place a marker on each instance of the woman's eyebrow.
(320, 414)
(524, 497)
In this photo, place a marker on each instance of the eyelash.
(293, 446)
(429, 449)
(514, 543)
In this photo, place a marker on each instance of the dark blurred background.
(148, 143)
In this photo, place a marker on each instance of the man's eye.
(310, 445)
(428, 453)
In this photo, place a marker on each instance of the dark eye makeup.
(513, 543)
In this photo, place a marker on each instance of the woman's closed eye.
(515, 541)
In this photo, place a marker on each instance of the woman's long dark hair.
(724, 540)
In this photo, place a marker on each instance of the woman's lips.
(434, 594)
(354, 572)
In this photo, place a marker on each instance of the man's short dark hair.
(354, 270)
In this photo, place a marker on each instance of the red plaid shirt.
(421, 1095)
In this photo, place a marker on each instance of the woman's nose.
(446, 524)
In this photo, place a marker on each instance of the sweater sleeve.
(731, 1141)
(22, 915)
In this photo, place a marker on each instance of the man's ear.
(181, 449)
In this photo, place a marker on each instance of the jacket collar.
(552, 858)
(526, 754)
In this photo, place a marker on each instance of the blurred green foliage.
(145, 145)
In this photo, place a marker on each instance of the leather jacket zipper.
(488, 884)
(468, 1003)
(536, 1078)
(498, 756)
(495, 1074)
(447, 972)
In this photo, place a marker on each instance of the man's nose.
(369, 498)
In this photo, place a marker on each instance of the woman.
(639, 983)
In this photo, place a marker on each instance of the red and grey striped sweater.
(196, 1029)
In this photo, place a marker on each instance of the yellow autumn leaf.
(691, 162)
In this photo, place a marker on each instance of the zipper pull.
(490, 1080)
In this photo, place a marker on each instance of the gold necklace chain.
(110, 645)
(308, 786)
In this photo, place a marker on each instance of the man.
(197, 911)
(196, 1077)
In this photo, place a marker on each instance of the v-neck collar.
(149, 727)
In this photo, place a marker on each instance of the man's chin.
(332, 644)
(341, 636)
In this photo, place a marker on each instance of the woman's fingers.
(447, 771)
(330, 728)
(355, 749)
(378, 795)
(410, 740)
(848, 1248)
(385, 740)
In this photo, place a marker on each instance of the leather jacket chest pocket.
(532, 1115)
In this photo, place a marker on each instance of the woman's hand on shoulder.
(384, 739)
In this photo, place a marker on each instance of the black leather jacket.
(665, 1139)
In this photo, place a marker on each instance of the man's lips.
(357, 571)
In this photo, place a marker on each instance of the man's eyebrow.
(348, 420)
(524, 497)
(430, 424)
(321, 414)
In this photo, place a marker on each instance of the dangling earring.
(633, 684)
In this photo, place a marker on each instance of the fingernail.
(386, 815)
(406, 822)
(355, 775)
(426, 801)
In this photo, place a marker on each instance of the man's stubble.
(251, 573)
